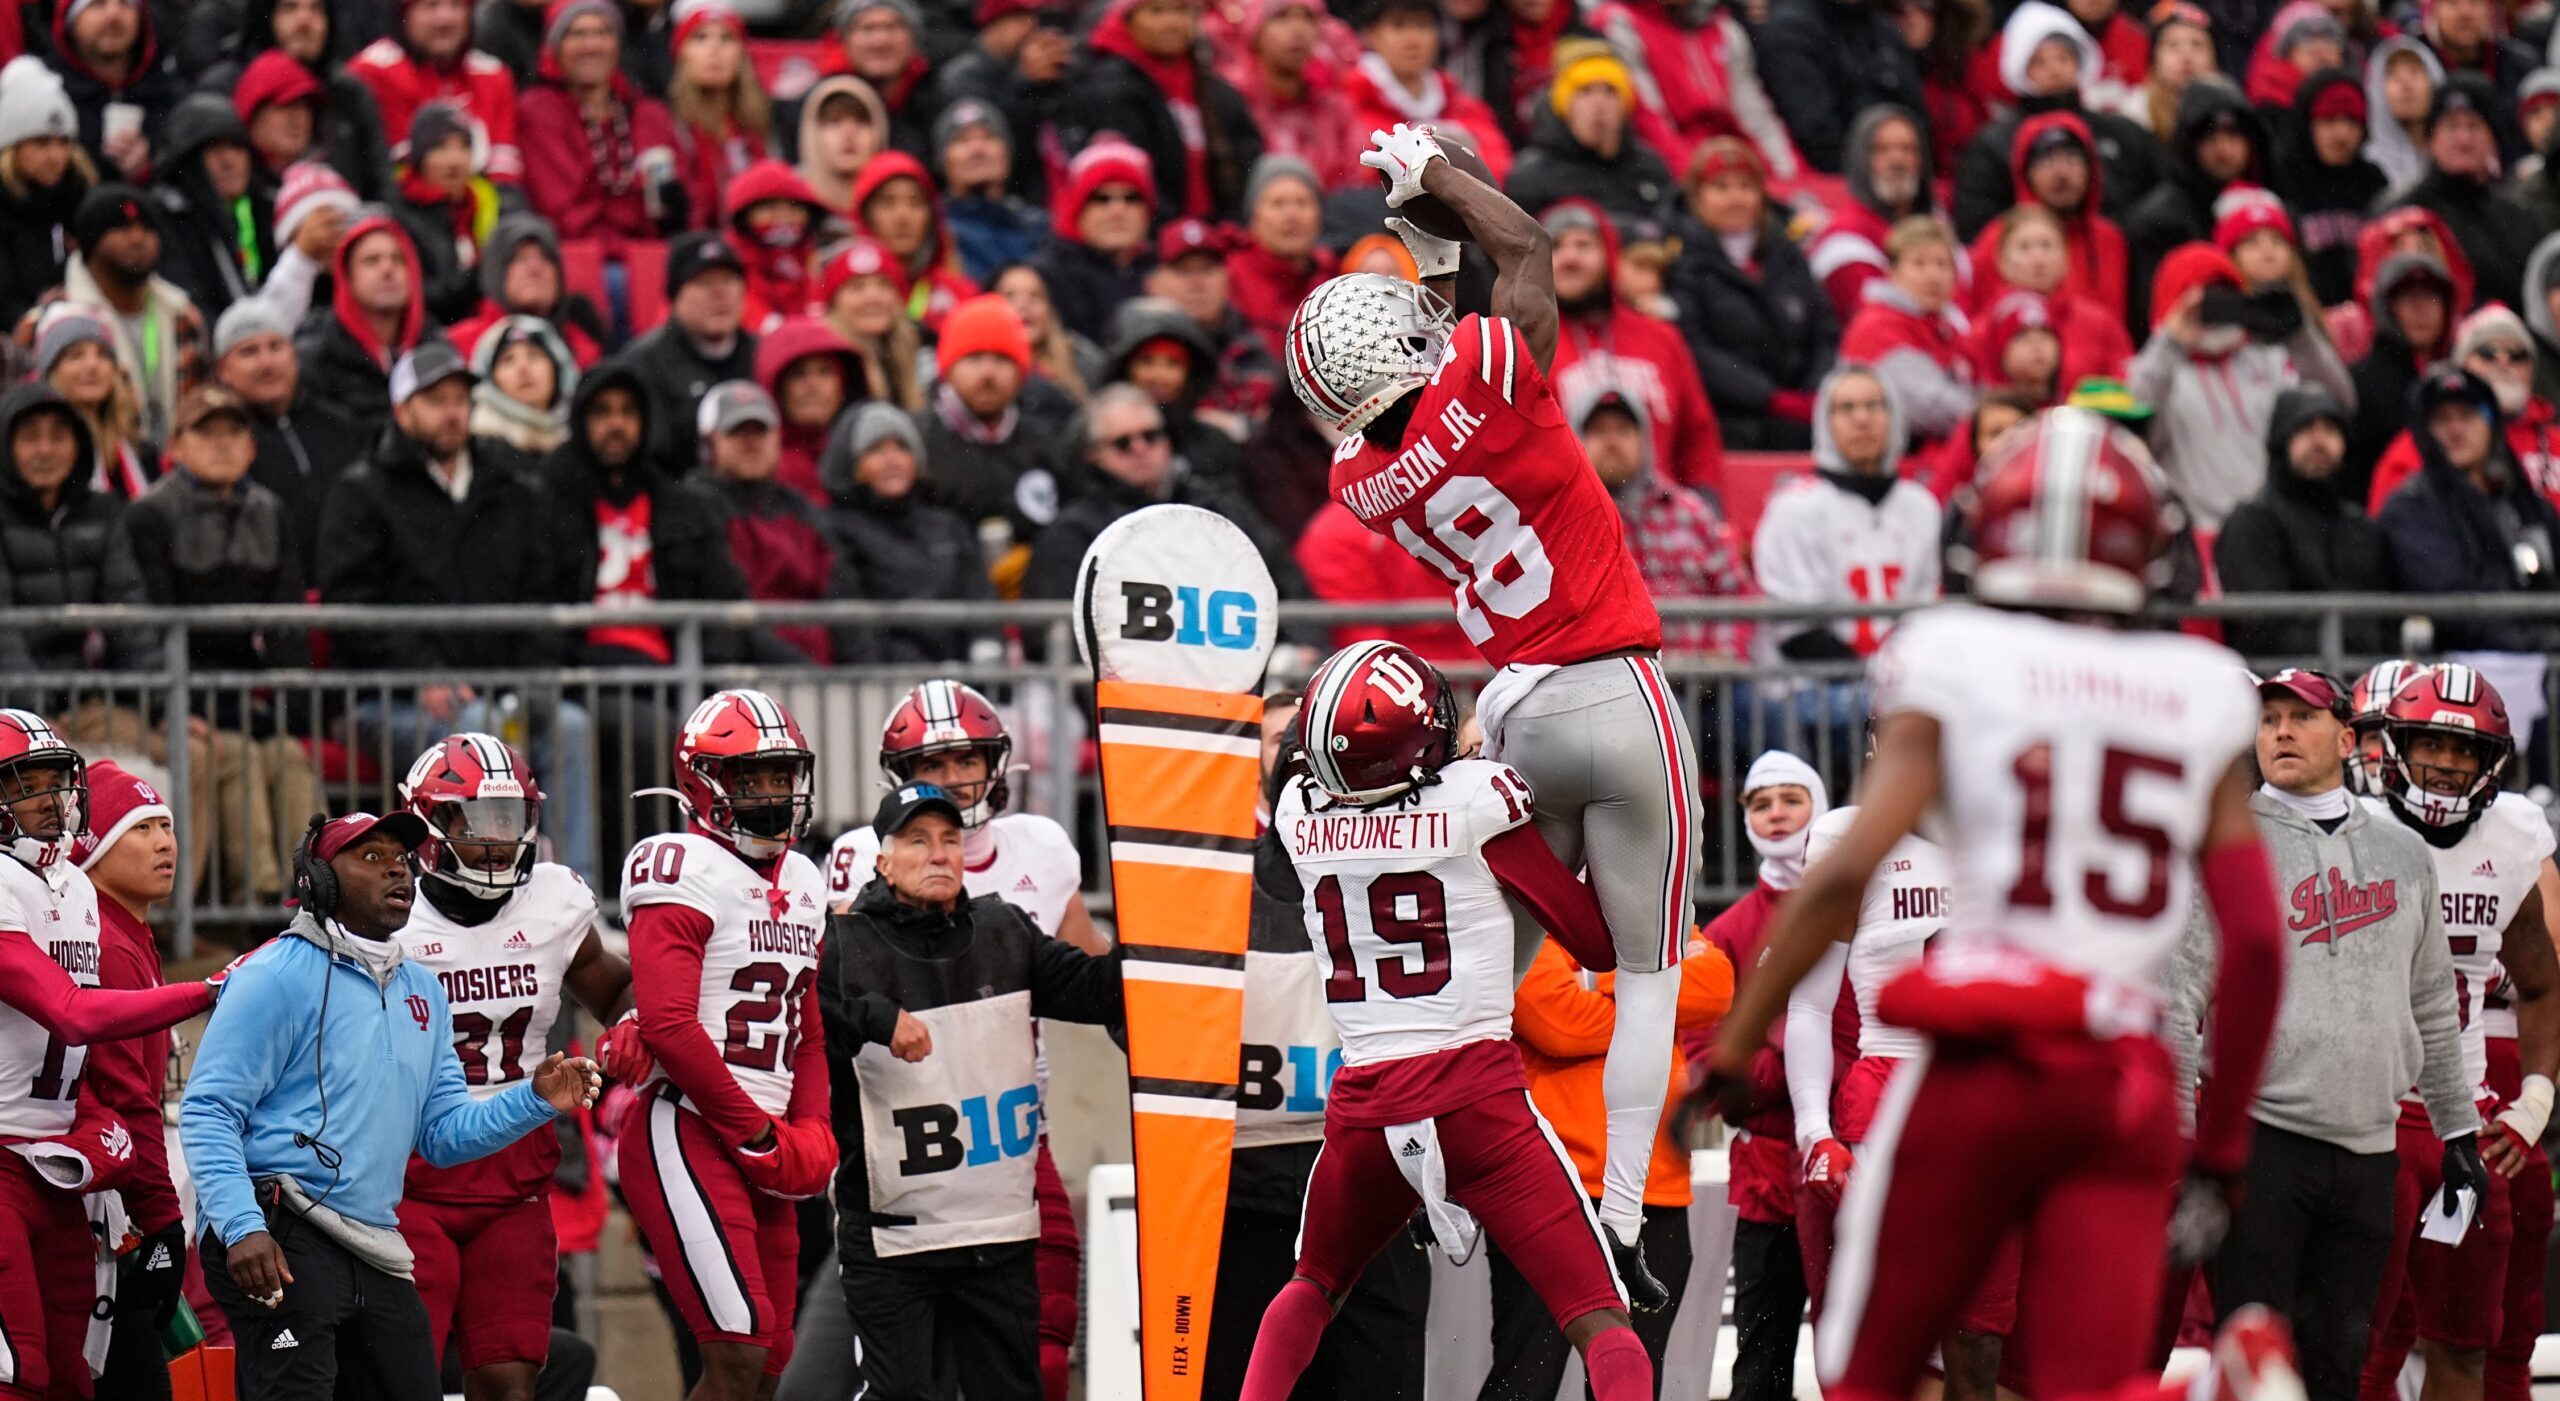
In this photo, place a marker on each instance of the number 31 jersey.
(2078, 764)
(760, 961)
(1490, 487)
(1412, 937)
(503, 978)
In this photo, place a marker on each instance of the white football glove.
(1436, 257)
(1400, 156)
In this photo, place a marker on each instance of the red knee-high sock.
(1053, 1371)
(1291, 1328)
(1617, 1366)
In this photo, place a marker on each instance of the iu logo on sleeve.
(418, 1010)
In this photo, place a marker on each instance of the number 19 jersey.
(1490, 487)
(2077, 766)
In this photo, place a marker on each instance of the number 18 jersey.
(1490, 487)
(2077, 770)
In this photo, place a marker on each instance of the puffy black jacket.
(1087, 287)
(899, 550)
(2446, 537)
(1101, 499)
(337, 369)
(200, 548)
(2328, 202)
(201, 248)
(2180, 208)
(78, 551)
(1824, 62)
(1114, 95)
(1754, 334)
(1211, 453)
(2302, 536)
(677, 376)
(1631, 187)
(391, 534)
(300, 454)
(35, 241)
(1017, 479)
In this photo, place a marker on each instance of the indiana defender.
(1455, 446)
(731, 1128)
(949, 736)
(2087, 779)
(1407, 854)
(2446, 745)
(51, 1011)
(506, 935)
(1904, 908)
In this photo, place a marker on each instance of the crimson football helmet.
(2446, 699)
(471, 788)
(28, 746)
(2072, 516)
(939, 717)
(2372, 696)
(1378, 722)
(726, 735)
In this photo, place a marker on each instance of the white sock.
(1633, 1082)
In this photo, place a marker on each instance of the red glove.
(1996, 997)
(623, 1053)
(799, 1165)
(223, 974)
(94, 1155)
(1826, 1170)
(1793, 405)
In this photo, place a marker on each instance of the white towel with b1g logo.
(1290, 1053)
(949, 1141)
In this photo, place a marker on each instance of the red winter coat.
(1693, 92)
(479, 85)
(1346, 562)
(797, 339)
(935, 283)
(1318, 126)
(2093, 244)
(1645, 356)
(580, 198)
(1373, 109)
(1265, 289)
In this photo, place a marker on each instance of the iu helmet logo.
(418, 1010)
(2446, 743)
(1377, 723)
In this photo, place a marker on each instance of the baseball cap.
(2317, 689)
(694, 254)
(431, 364)
(1184, 237)
(733, 404)
(339, 833)
(900, 806)
(210, 401)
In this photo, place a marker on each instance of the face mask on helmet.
(43, 800)
(2436, 788)
(2366, 762)
(483, 845)
(767, 798)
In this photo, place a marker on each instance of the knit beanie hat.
(555, 20)
(2491, 325)
(309, 187)
(2242, 210)
(118, 801)
(693, 14)
(850, 10)
(1108, 160)
(110, 207)
(64, 328)
(963, 114)
(435, 124)
(1582, 62)
(244, 320)
(1279, 166)
(34, 103)
(876, 422)
(987, 323)
(859, 257)
(273, 79)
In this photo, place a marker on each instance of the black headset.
(315, 885)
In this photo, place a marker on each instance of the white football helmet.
(1362, 341)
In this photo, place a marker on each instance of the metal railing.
(265, 743)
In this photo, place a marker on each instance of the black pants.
(344, 1329)
(1768, 1309)
(1530, 1351)
(936, 1326)
(1371, 1349)
(2311, 1240)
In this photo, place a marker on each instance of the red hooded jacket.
(796, 339)
(2093, 243)
(342, 296)
(781, 281)
(1642, 355)
(2402, 230)
(935, 283)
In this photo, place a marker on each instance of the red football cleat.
(2253, 1358)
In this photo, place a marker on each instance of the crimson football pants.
(2073, 1145)
(2450, 1295)
(48, 1282)
(1059, 1260)
(489, 1269)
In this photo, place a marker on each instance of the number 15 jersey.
(1490, 487)
(2077, 765)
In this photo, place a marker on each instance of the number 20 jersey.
(760, 961)
(1490, 487)
(2077, 767)
(1413, 940)
(503, 978)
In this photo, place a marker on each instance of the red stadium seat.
(582, 267)
(788, 67)
(644, 266)
(1749, 477)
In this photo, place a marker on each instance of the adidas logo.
(517, 942)
(1026, 884)
(1412, 1149)
(2485, 868)
(159, 1258)
(284, 1340)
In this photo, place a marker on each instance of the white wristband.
(2531, 1112)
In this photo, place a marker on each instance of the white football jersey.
(504, 977)
(1407, 921)
(1906, 906)
(2078, 766)
(1821, 543)
(2481, 880)
(762, 957)
(40, 1076)
(1030, 864)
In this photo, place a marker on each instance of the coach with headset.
(329, 1062)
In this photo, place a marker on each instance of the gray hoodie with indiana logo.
(2369, 1004)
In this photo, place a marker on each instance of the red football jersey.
(1490, 487)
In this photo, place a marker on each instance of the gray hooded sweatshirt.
(2368, 990)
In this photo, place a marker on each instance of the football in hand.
(1428, 212)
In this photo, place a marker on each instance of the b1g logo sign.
(973, 1133)
(1286, 1079)
(1176, 596)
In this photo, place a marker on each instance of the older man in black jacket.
(2304, 534)
(433, 522)
(2469, 522)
